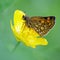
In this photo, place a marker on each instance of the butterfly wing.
(42, 24)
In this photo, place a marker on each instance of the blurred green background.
(31, 8)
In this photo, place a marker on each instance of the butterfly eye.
(25, 18)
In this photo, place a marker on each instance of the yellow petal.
(18, 17)
(25, 34)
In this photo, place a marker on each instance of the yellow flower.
(25, 34)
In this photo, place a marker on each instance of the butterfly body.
(40, 24)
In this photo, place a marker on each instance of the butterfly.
(40, 24)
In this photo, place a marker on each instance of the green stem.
(16, 46)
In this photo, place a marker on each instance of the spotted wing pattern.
(41, 24)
